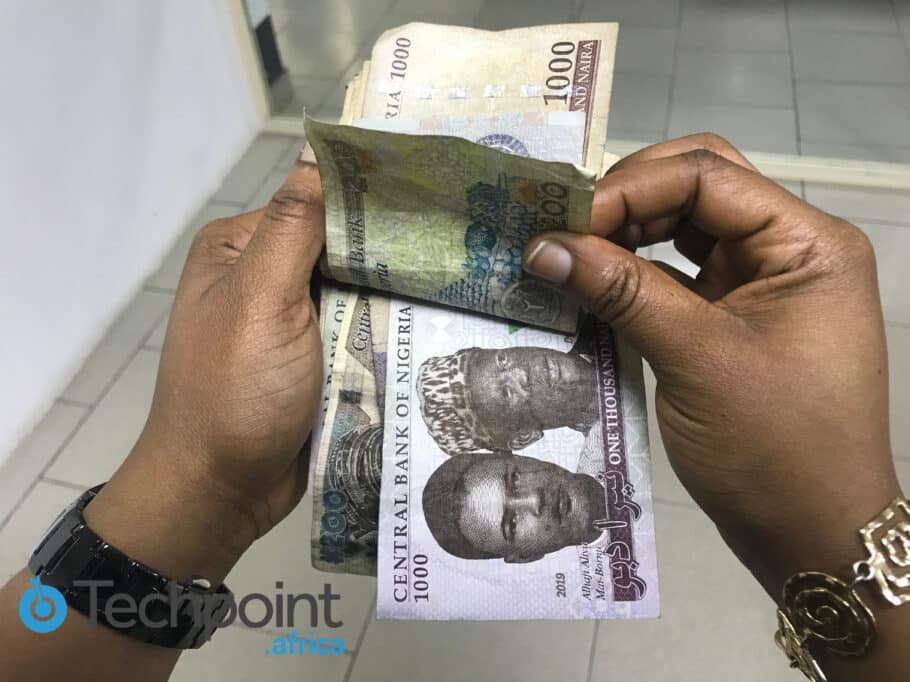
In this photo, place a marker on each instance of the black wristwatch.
(89, 572)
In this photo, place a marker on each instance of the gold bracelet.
(822, 613)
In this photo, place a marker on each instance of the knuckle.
(208, 234)
(292, 204)
(853, 251)
(618, 292)
(216, 240)
(715, 143)
(704, 159)
(858, 242)
(838, 249)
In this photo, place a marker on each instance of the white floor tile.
(748, 78)
(899, 382)
(28, 460)
(110, 432)
(117, 346)
(892, 244)
(639, 104)
(309, 93)
(902, 465)
(639, 13)
(793, 186)
(518, 651)
(861, 203)
(646, 49)
(902, 10)
(874, 16)
(291, 155)
(847, 56)
(889, 153)
(749, 128)
(352, 19)
(322, 36)
(268, 188)
(168, 273)
(667, 253)
(855, 114)
(416, 8)
(716, 621)
(330, 110)
(284, 554)
(235, 653)
(306, 57)
(646, 138)
(26, 527)
(496, 15)
(251, 170)
(734, 25)
(156, 340)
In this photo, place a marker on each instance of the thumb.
(658, 315)
(289, 238)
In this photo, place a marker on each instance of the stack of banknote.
(483, 445)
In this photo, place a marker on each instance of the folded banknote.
(444, 219)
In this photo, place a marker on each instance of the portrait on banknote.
(502, 399)
(511, 507)
(513, 457)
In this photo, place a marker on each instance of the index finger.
(631, 236)
(721, 198)
(707, 141)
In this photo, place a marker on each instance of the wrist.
(174, 520)
(817, 532)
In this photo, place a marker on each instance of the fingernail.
(550, 261)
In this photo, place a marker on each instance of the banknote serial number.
(561, 64)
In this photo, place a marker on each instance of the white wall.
(118, 118)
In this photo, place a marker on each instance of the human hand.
(771, 368)
(220, 459)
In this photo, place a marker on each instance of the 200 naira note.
(444, 219)
(346, 476)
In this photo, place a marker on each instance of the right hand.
(772, 391)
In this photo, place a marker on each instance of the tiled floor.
(95, 421)
(815, 77)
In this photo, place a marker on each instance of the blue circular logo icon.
(42, 608)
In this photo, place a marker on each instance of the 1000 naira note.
(440, 218)
(515, 473)
(421, 71)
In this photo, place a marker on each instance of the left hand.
(237, 393)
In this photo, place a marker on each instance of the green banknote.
(444, 219)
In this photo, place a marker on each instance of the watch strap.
(89, 573)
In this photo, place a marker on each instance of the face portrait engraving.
(504, 399)
(510, 507)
